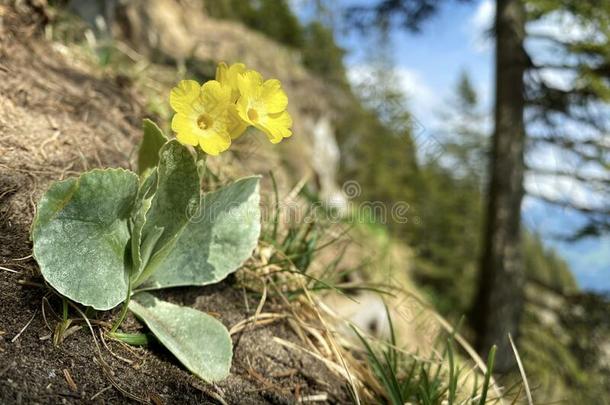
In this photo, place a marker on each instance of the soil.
(57, 119)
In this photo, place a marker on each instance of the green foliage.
(375, 138)
(81, 236)
(198, 340)
(176, 195)
(564, 355)
(322, 55)
(99, 236)
(585, 317)
(545, 266)
(215, 241)
(382, 161)
(464, 138)
(141, 250)
(271, 17)
(466, 93)
(445, 203)
(447, 239)
(299, 245)
(176, 192)
(450, 205)
(418, 380)
(148, 154)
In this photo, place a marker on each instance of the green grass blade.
(452, 373)
(276, 215)
(395, 396)
(490, 365)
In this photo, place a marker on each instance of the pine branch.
(605, 211)
(572, 175)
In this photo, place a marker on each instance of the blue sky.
(452, 41)
(428, 65)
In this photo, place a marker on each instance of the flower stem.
(133, 339)
(201, 163)
(124, 309)
(65, 309)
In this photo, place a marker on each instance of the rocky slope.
(59, 117)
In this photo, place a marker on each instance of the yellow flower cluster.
(220, 110)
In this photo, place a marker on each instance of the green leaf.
(199, 341)
(143, 203)
(176, 198)
(133, 339)
(148, 245)
(177, 191)
(81, 236)
(216, 241)
(153, 140)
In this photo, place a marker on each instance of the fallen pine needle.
(21, 258)
(25, 327)
(69, 380)
(333, 366)
(101, 392)
(323, 397)
(9, 270)
(260, 319)
(530, 401)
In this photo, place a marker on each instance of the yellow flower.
(227, 76)
(202, 115)
(263, 105)
(210, 116)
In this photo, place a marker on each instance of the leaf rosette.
(108, 233)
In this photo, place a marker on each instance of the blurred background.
(472, 135)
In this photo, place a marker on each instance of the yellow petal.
(242, 110)
(276, 126)
(187, 138)
(184, 97)
(236, 68)
(221, 72)
(186, 129)
(249, 84)
(273, 96)
(227, 76)
(215, 97)
(213, 142)
(237, 130)
(236, 126)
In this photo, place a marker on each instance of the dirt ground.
(57, 119)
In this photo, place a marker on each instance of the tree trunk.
(499, 304)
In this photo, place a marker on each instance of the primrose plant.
(109, 236)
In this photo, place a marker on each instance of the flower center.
(204, 121)
(253, 115)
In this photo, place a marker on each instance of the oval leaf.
(81, 236)
(141, 207)
(199, 341)
(216, 241)
(153, 140)
(176, 193)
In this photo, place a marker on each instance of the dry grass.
(80, 133)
